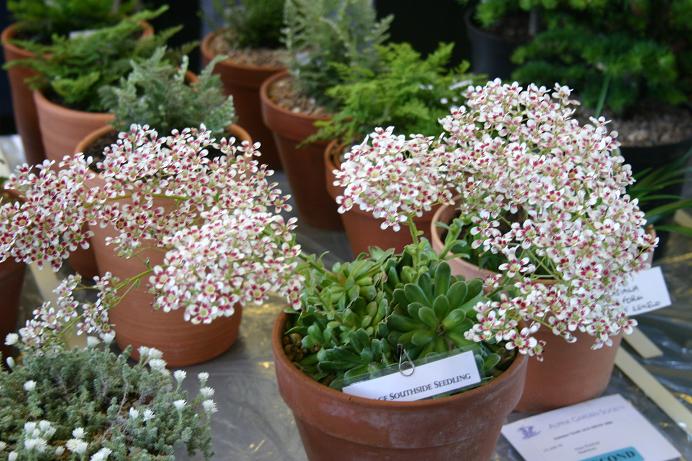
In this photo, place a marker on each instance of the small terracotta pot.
(22, 99)
(136, 322)
(304, 165)
(569, 373)
(11, 282)
(362, 229)
(243, 82)
(339, 427)
(61, 130)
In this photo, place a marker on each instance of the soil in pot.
(362, 229)
(242, 75)
(492, 49)
(292, 121)
(339, 427)
(25, 116)
(569, 373)
(136, 322)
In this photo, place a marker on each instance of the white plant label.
(604, 429)
(646, 292)
(427, 380)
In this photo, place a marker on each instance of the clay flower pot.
(11, 282)
(569, 373)
(243, 82)
(339, 427)
(22, 99)
(304, 165)
(61, 130)
(362, 229)
(136, 322)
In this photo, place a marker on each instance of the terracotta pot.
(304, 165)
(339, 427)
(243, 82)
(61, 130)
(362, 229)
(22, 99)
(136, 322)
(11, 282)
(445, 214)
(569, 373)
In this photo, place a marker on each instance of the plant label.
(646, 292)
(422, 381)
(605, 429)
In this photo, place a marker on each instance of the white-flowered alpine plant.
(540, 193)
(215, 219)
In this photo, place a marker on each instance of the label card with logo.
(605, 429)
(427, 380)
(646, 292)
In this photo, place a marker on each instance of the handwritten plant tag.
(424, 381)
(604, 429)
(646, 292)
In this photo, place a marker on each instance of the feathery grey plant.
(79, 404)
(321, 33)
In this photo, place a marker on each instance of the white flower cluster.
(392, 177)
(535, 187)
(218, 219)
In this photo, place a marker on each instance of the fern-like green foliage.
(251, 23)
(615, 54)
(72, 70)
(157, 93)
(320, 34)
(408, 91)
(126, 409)
(39, 20)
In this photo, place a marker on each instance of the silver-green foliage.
(321, 33)
(157, 93)
(127, 409)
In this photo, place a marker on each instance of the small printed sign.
(604, 429)
(424, 381)
(646, 292)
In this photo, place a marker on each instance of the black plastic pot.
(490, 53)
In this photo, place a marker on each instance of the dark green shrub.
(251, 23)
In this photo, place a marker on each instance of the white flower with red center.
(392, 177)
(558, 190)
(217, 221)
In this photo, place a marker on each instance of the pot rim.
(298, 376)
(209, 55)
(41, 99)
(268, 102)
(8, 34)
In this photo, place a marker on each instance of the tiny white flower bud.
(30, 385)
(12, 456)
(134, 413)
(92, 341)
(179, 376)
(147, 415)
(78, 433)
(11, 339)
(209, 406)
(179, 404)
(59, 451)
(108, 337)
(207, 392)
(10, 362)
(203, 377)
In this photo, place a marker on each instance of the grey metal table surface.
(253, 423)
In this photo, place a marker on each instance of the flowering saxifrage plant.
(535, 189)
(217, 222)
